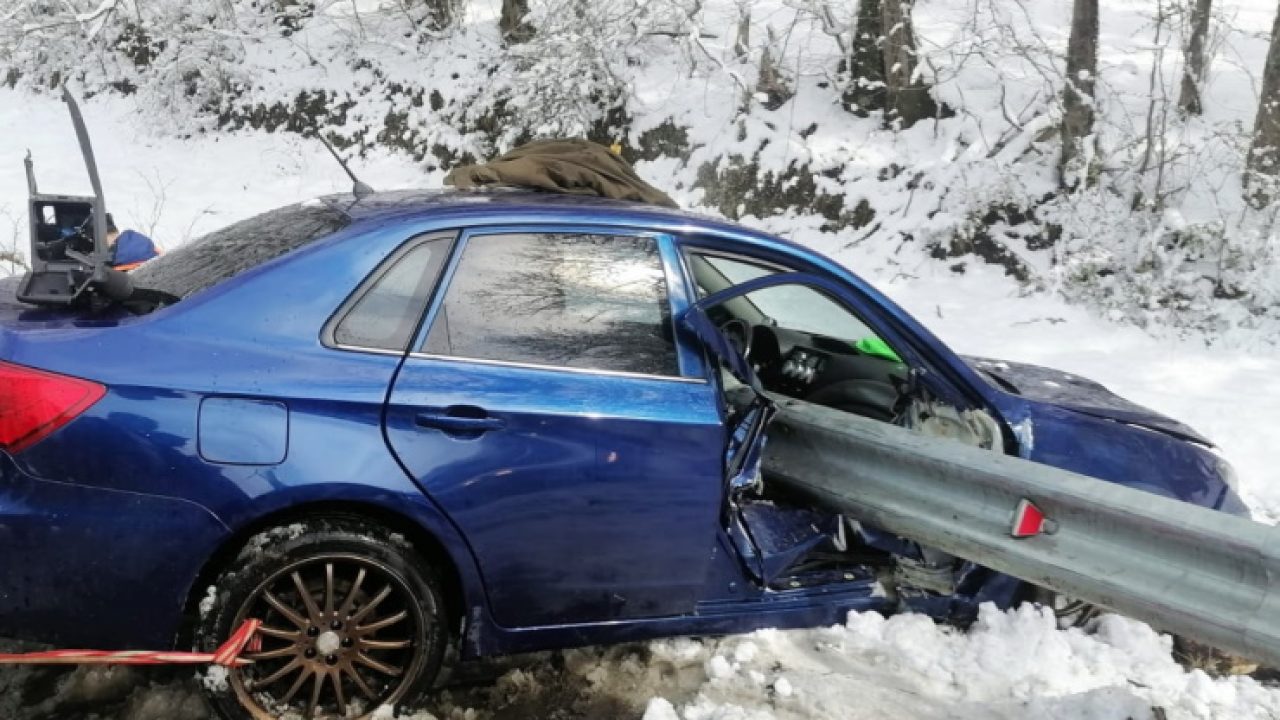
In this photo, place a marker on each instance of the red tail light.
(35, 403)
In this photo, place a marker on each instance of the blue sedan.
(416, 425)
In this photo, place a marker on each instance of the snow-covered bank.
(1163, 239)
(170, 188)
(1010, 664)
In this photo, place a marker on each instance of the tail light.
(35, 403)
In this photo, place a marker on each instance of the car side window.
(596, 302)
(385, 314)
(794, 307)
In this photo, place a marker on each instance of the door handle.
(457, 423)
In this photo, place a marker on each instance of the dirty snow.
(208, 601)
(1007, 666)
(215, 678)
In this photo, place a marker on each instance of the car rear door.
(547, 406)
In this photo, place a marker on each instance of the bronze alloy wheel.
(338, 639)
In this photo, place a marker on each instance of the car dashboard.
(827, 371)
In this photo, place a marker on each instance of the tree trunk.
(904, 97)
(1077, 95)
(436, 15)
(772, 83)
(742, 42)
(882, 66)
(512, 24)
(1264, 152)
(1193, 68)
(865, 63)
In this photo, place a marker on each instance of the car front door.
(547, 406)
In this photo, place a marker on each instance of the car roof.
(396, 202)
(482, 205)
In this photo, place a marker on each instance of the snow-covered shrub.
(1157, 269)
(577, 69)
(1163, 237)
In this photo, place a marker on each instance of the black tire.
(373, 630)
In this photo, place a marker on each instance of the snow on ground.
(171, 189)
(1008, 665)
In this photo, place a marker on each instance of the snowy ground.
(1009, 665)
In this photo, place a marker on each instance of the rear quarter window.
(223, 254)
(386, 310)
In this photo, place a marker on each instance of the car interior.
(805, 345)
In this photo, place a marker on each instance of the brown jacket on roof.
(577, 167)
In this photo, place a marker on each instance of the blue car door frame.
(585, 495)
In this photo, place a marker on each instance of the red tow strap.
(228, 655)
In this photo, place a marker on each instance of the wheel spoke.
(361, 685)
(316, 689)
(378, 666)
(271, 679)
(387, 621)
(291, 635)
(345, 610)
(377, 599)
(328, 588)
(289, 613)
(285, 651)
(307, 600)
(338, 693)
(385, 644)
(297, 685)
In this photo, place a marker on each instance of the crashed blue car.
(406, 426)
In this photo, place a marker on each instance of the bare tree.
(1077, 93)
(514, 28)
(1193, 69)
(11, 258)
(905, 96)
(772, 83)
(882, 62)
(1264, 151)
(742, 41)
(865, 62)
(432, 15)
(1154, 147)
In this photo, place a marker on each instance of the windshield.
(223, 254)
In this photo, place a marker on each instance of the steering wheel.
(739, 333)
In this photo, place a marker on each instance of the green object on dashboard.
(876, 347)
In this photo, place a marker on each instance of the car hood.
(1078, 394)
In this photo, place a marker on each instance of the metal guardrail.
(1206, 575)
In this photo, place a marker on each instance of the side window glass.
(387, 312)
(793, 307)
(569, 300)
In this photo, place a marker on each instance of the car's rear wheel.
(352, 620)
